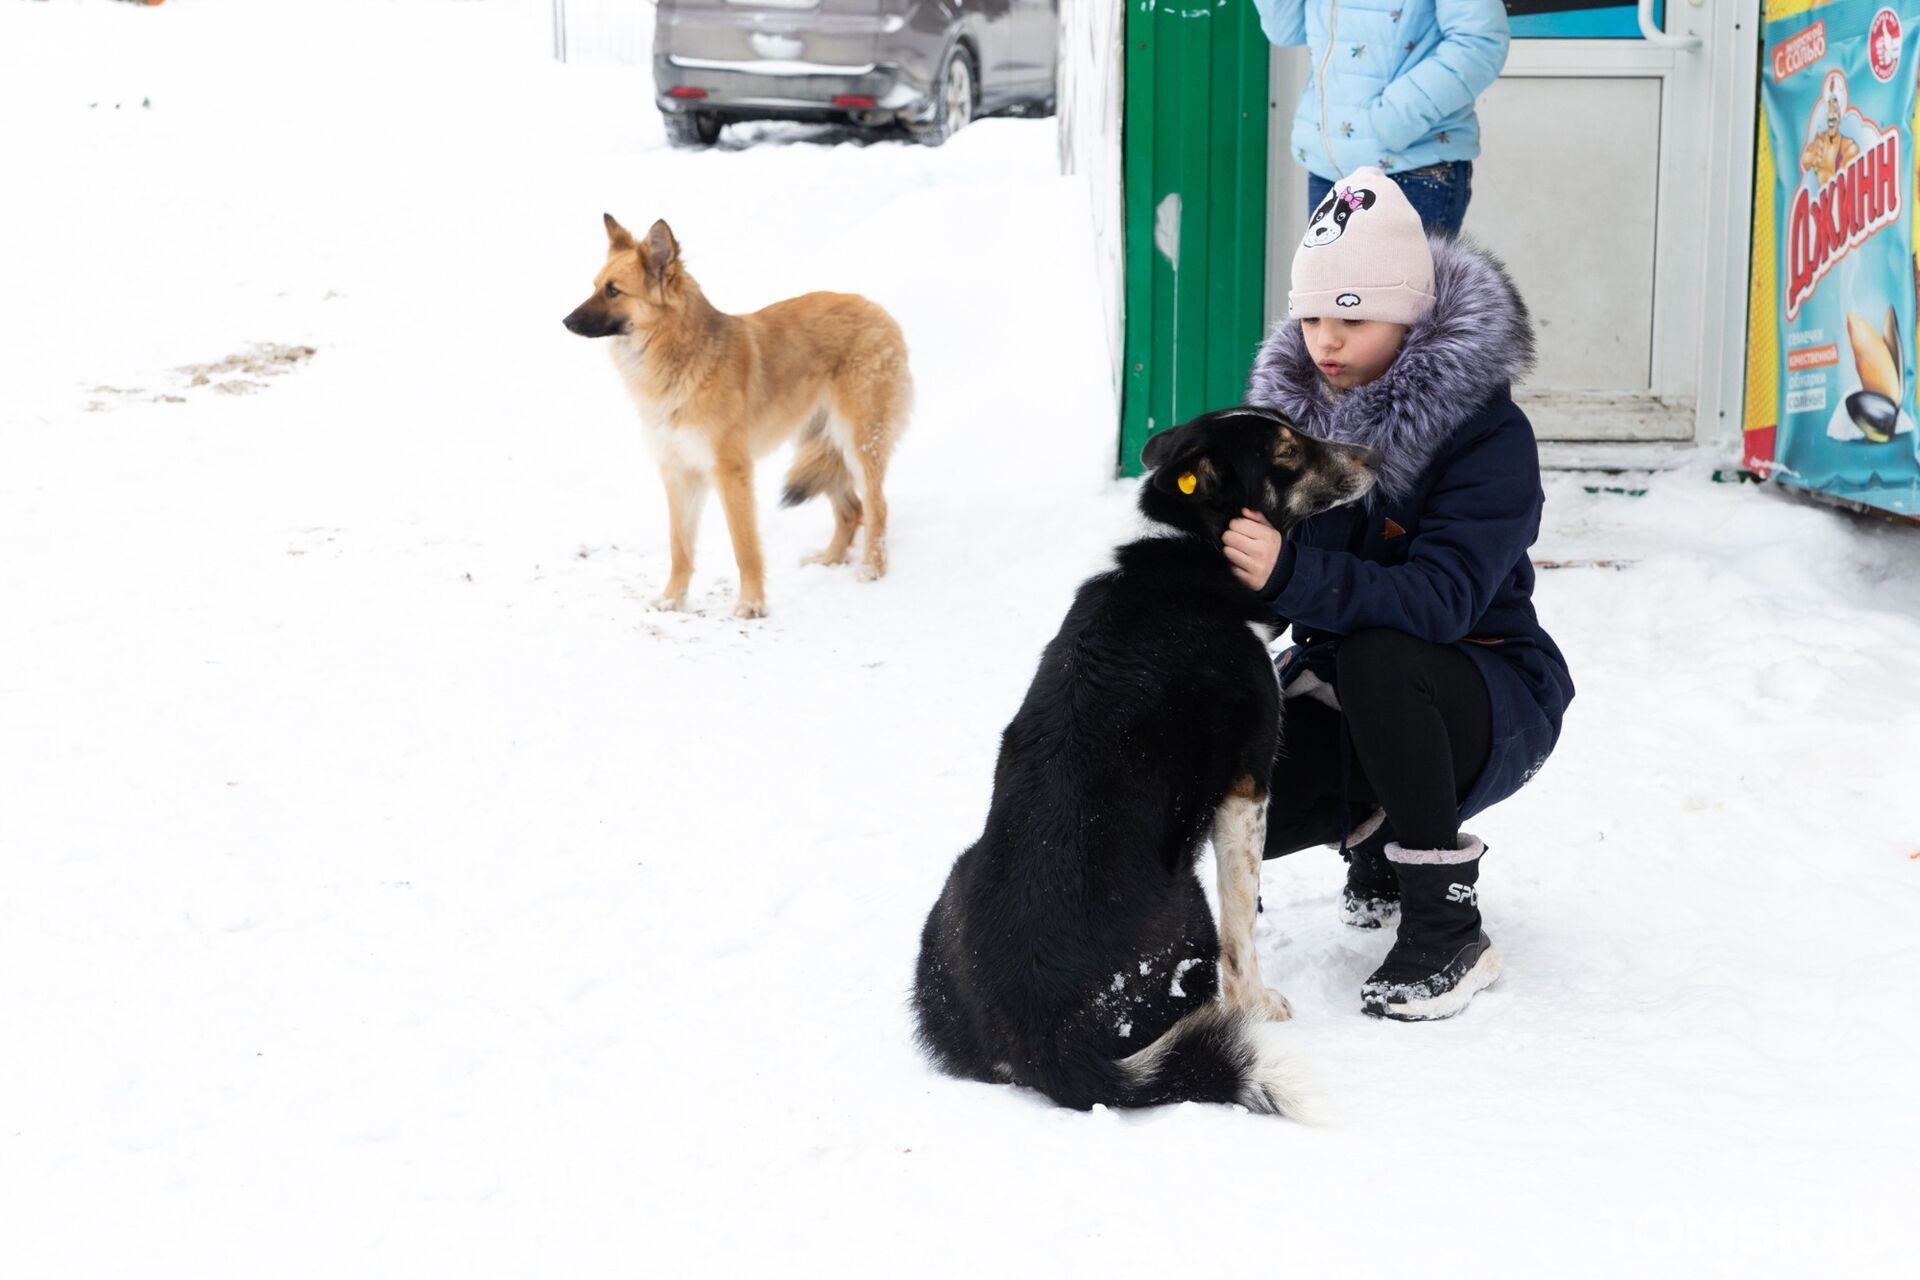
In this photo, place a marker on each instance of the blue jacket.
(1389, 82)
(1439, 549)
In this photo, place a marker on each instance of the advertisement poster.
(1831, 379)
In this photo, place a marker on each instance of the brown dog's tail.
(817, 467)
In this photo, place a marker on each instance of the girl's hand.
(1253, 548)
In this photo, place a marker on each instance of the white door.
(600, 31)
(1615, 181)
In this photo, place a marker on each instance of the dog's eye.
(613, 290)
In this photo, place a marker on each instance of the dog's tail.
(817, 467)
(1212, 1055)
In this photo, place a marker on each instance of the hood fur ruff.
(1474, 340)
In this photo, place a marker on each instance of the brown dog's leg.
(873, 401)
(733, 476)
(873, 470)
(1239, 836)
(686, 495)
(846, 523)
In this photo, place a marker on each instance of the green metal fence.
(1195, 146)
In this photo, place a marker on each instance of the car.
(928, 66)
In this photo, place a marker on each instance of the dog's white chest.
(680, 446)
(1264, 632)
(629, 357)
(672, 443)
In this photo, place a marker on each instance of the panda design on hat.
(1329, 221)
(1365, 255)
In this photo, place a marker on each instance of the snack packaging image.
(1839, 95)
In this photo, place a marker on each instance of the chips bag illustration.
(1840, 101)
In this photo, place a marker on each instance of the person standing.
(1391, 84)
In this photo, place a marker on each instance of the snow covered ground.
(384, 891)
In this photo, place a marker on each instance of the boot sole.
(1485, 971)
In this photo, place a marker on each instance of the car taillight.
(686, 91)
(853, 100)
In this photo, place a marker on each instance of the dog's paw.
(1273, 1006)
(750, 609)
(823, 557)
(669, 604)
(1262, 1002)
(869, 572)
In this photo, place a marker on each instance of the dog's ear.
(1179, 461)
(662, 249)
(1192, 475)
(1162, 445)
(617, 236)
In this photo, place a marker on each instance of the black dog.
(1072, 950)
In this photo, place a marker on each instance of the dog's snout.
(572, 322)
(1371, 459)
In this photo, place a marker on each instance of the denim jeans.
(1438, 193)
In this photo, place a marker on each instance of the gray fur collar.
(1476, 339)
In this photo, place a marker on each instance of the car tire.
(956, 95)
(692, 128)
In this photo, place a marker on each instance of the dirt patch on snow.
(236, 374)
(240, 374)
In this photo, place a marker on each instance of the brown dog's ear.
(662, 249)
(617, 236)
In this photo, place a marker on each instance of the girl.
(1392, 83)
(1420, 687)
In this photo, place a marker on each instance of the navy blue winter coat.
(1439, 548)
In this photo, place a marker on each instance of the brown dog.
(715, 391)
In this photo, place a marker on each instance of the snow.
(388, 892)
(1179, 972)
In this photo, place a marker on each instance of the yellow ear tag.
(1187, 481)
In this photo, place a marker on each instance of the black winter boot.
(1372, 895)
(1441, 956)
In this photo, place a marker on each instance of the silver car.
(927, 65)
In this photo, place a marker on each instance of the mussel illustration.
(1875, 408)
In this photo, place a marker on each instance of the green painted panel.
(1195, 167)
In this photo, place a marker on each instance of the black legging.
(1418, 724)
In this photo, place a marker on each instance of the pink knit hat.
(1365, 256)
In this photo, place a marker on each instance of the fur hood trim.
(1476, 339)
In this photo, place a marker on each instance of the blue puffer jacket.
(1389, 82)
(1439, 548)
